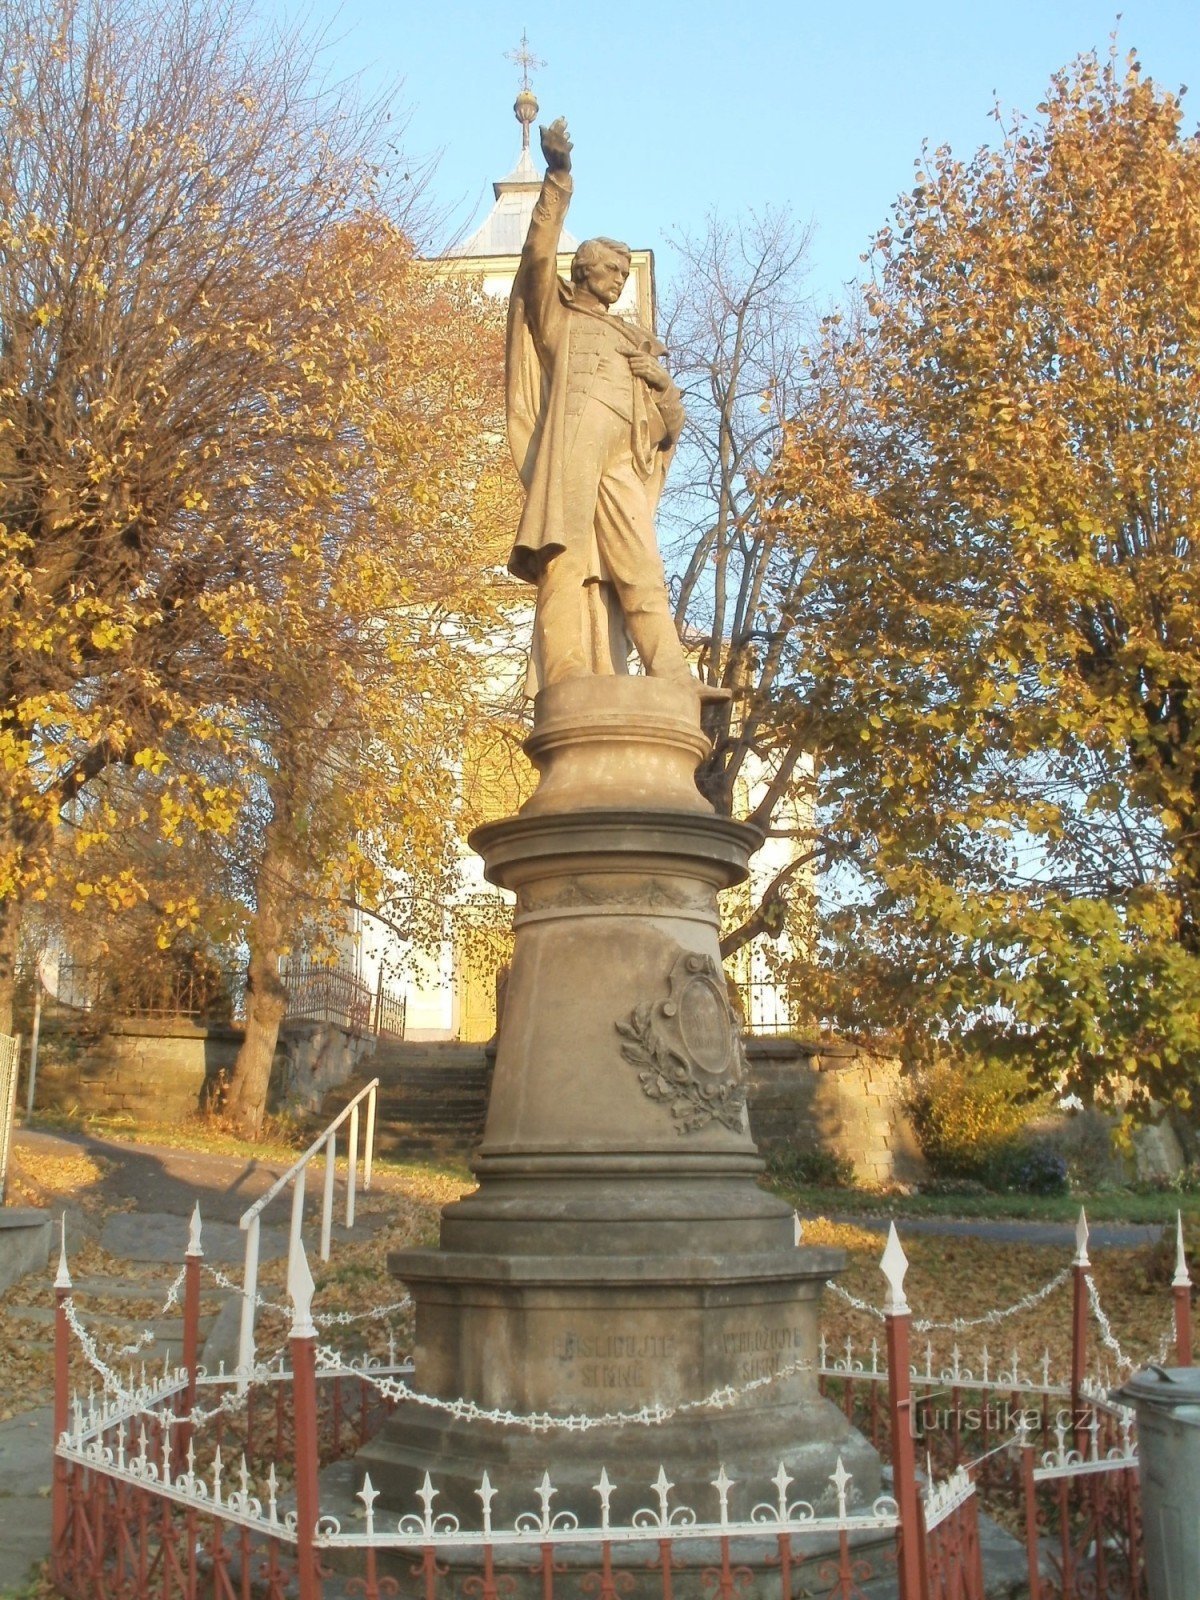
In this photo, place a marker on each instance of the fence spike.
(193, 1244)
(840, 1478)
(798, 1228)
(662, 1488)
(427, 1494)
(487, 1495)
(300, 1288)
(604, 1489)
(63, 1279)
(1182, 1279)
(1081, 1240)
(368, 1494)
(722, 1483)
(894, 1264)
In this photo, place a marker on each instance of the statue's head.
(602, 266)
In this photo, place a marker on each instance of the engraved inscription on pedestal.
(627, 1363)
(687, 1048)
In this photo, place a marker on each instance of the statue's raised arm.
(556, 146)
(593, 419)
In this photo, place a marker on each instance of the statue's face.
(605, 275)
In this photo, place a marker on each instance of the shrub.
(1037, 1169)
(954, 1186)
(969, 1117)
(792, 1167)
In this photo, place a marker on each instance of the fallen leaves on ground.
(952, 1278)
(37, 1178)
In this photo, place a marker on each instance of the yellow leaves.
(109, 635)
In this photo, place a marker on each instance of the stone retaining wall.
(159, 1069)
(810, 1096)
(839, 1099)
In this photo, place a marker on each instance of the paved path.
(1008, 1230)
(158, 1179)
(24, 1495)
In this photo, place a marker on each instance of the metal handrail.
(251, 1219)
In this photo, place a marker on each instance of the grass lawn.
(1105, 1205)
(283, 1141)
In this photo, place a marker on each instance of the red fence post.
(894, 1264)
(1081, 1270)
(191, 1333)
(304, 1402)
(1181, 1287)
(1029, 1488)
(62, 1384)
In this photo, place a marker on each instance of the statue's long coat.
(559, 505)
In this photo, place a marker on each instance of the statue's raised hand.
(556, 145)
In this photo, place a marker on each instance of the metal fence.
(769, 1009)
(316, 992)
(168, 1486)
(319, 993)
(203, 993)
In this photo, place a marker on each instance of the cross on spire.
(524, 58)
(525, 107)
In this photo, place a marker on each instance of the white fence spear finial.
(894, 1264)
(300, 1288)
(1182, 1278)
(193, 1245)
(1081, 1240)
(63, 1278)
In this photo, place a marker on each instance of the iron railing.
(319, 993)
(316, 992)
(251, 1219)
(149, 1497)
(769, 1009)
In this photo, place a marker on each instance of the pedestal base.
(618, 1256)
(611, 1338)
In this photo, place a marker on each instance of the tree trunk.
(266, 996)
(10, 928)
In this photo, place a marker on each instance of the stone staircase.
(432, 1096)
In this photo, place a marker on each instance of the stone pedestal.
(618, 1252)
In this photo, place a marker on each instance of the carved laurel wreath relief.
(687, 1048)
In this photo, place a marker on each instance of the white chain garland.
(546, 1422)
(147, 1335)
(1106, 1334)
(959, 1324)
(327, 1319)
(107, 1376)
(110, 1381)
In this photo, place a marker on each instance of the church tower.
(492, 252)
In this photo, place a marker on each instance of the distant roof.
(506, 224)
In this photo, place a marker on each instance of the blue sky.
(677, 107)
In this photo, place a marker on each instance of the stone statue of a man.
(593, 418)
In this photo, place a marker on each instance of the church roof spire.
(525, 106)
(503, 230)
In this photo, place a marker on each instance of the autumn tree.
(375, 626)
(995, 482)
(166, 179)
